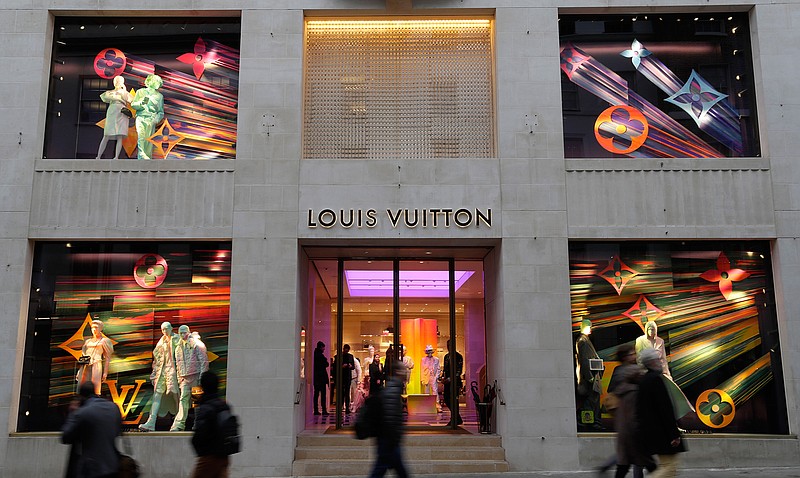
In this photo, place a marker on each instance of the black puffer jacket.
(392, 429)
(207, 439)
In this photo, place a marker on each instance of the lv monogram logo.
(119, 398)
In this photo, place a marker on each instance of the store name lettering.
(410, 218)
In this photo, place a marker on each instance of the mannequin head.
(119, 82)
(371, 351)
(166, 329)
(183, 330)
(651, 329)
(429, 350)
(586, 326)
(153, 81)
(97, 329)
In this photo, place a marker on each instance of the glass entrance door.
(376, 312)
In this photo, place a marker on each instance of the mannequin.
(409, 363)
(164, 376)
(588, 380)
(99, 349)
(149, 105)
(191, 360)
(429, 374)
(651, 340)
(116, 127)
(680, 404)
(357, 374)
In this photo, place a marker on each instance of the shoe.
(146, 428)
(177, 428)
(316, 412)
(460, 420)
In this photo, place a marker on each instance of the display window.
(658, 86)
(141, 321)
(143, 88)
(705, 310)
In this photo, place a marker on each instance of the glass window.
(129, 290)
(99, 105)
(709, 306)
(398, 88)
(658, 86)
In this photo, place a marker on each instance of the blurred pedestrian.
(658, 430)
(392, 426)
(624, 387)
(212, 462)
(91, 428)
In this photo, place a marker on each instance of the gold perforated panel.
(394, 88)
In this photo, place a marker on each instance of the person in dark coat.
(211, 462)
(390, 437)
(624, 385)
(320, 379)
(450, 398)
(375, 374)
(347, 364)
(93, 425)
(658, 431)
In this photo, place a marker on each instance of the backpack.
(368, 418)
(228, 426)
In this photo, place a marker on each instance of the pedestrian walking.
(392, 427)
(658, 430)
(91, 428)
(208, 439)
(624, 387)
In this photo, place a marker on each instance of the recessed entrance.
(423, 308)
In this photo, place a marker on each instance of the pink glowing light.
(412, 283)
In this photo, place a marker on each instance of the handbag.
(126, 112)
(611, 401)
(128, 467)
(84, 360)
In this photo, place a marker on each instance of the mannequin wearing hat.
(429, 373)
(588, 380)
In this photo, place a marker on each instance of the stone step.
(424, 453)
(348, 440)
(423, 467)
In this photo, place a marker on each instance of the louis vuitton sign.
(410, 218)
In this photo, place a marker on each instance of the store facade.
(513, 181)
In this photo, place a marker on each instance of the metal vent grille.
(391, 88)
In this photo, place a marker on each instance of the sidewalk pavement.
(782, 472)
(792, 472)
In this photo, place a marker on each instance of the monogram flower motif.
(643, 311)
(696, 97)
(150, 271)
(199, 59)
(571, 59)
(109, 63)
(715, 408)
(617, 274)
(725, 276)
(621, 129)
(636, 53)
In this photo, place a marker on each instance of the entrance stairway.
(424, 454)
